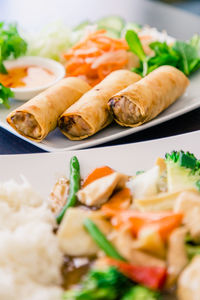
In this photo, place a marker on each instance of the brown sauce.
(73, 274)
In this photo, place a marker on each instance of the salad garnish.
(182, 55)
(12, 45)
(96, 56)
(5, 94)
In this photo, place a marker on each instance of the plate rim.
(156, 121)
(104, 148)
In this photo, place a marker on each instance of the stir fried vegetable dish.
(136, 237)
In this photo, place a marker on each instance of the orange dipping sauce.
(27, 77)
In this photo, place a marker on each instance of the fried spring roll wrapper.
(144, 100)
(37, 117)
(90, 113)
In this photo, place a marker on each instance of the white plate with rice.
(26, 221)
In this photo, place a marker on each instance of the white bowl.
(27, 93)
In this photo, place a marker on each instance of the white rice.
(30, 259)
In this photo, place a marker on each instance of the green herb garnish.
(183, 55)
(5, 94)
(136, 47)
(12, 44)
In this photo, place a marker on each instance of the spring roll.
(90, 113)
(144, 100)
(37, 117)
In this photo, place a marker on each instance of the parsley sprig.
(5, 94)
(12, 46)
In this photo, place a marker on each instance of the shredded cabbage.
(53, 40)
(50, 42)
(56, 38)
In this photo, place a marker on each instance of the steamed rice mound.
(30, 259)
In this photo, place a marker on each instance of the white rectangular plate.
(42, 170)
(56, 141)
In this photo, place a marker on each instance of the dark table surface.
(34, 14)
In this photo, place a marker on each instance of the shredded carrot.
(119, 201)
(96, 174)
(96, 56)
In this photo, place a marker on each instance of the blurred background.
(162, 14)
(189, 5)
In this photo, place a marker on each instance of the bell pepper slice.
(151, 277)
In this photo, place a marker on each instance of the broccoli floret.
(107, 284)
(139, 292)
(183, 170)
(184, 159)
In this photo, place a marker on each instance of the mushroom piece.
(58, 196)
(176, 256)
(189, 281)
(126, 246)
(188, 203)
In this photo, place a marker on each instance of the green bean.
(74, 186)
(101, 240)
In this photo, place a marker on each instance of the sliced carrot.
(119, 201)
(164, 223)
(97, 173)
(163, 226)
(133, 219)
(168, 224)
(160, 162)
